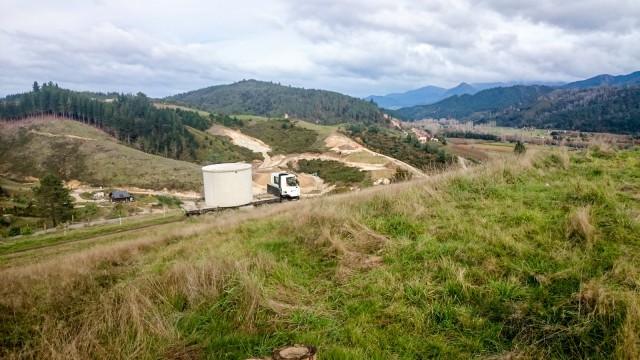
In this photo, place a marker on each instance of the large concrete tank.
(227, 185)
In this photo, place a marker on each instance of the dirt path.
(344, 145)
(56, 135)
(340, 147)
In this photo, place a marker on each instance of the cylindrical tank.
(227, 185)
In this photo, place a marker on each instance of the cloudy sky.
(357, 47)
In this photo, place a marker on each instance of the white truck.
(284, 185)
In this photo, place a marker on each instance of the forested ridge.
(614, 109)
(130, 118)
(273, 100)
(601, 109)
(465, 106)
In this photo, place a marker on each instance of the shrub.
(401, 175)
(14, 231)
(27, 230)
(331, 171)
(168, 200)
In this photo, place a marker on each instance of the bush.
(117, 211)
(27, 230)
(401, 175)
(332, 171)
(519, 149)
(14, 231)
(168, 200)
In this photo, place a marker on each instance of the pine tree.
(53, 199)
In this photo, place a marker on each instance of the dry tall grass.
(125, 300)
(580, 228)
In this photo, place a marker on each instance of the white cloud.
(359, 47)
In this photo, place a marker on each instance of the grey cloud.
(580, 15)
(346, 45)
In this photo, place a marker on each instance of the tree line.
(132, 119)
(471, 135)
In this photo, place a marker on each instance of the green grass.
(331, 171)
(255, 118)
(56, 237)
(323, 130)
(529, 257)
(285, 136)
(14, 187)
(364, 157)
(219, 149)
(171, 106)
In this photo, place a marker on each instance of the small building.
(98, 195)
(120, 195)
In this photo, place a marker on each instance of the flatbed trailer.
(200, 208)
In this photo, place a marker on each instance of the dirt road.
(340, 148)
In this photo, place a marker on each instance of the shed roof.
(119, 194)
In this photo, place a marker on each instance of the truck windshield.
(291, 181)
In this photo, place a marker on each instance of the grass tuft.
(580, 229)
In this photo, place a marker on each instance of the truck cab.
(284, 185)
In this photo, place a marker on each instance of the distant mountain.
(606, 79)
(273, 100)
(464, 106)
(613, 109)
(424, 95)
(461, 89)
(432, 94)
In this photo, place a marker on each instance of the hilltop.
(261, 98)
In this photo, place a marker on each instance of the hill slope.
(599, 109)
(613, 109)
(81, 152)
(273, 100)
(132, 119)
(529, 259)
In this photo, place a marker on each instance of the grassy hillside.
(530, 257)
(213, 149)
(273, 100)
(81, 152)
(285, 136)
